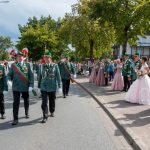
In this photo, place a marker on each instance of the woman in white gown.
(139, 91)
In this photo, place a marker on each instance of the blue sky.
(18, 11)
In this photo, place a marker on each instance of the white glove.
(5, 93)
(39, 91)
(59, 90)
(9, 83)
(74, 76)
(30, 89)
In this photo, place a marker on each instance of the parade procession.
(75, 75)
(19, 76)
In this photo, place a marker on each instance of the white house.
(142, 46)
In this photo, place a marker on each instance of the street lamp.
(4, 1)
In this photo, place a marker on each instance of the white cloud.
(18, 11)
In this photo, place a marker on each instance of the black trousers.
(16, 96)
(111, 75)
(90, 70)
(65, 86)
(106, 81)
(45, 96)
(2, 107)
(127, 83)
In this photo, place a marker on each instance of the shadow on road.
(115, 99)
(7, 125)
(139, 119)
(9, 102)
(122, 104)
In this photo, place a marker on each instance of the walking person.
(3, 91)
(49, 81)
(22, 83)
(66, 69)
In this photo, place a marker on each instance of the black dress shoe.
(52, 115)
(123, 90)
(27, 116)
(3, 117)
(44, 120)
(64, 96)
(15, 122)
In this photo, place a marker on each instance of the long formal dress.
(139, 91)
(100, 79)
(118, 84)
(93, 75)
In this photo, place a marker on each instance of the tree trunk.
(125, 31)
(125, 41)
(91, 42)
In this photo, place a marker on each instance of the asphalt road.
(79, 124)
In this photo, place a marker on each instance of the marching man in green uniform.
(66, 69)
(127, 72)
(3, 90)
(137, 65)
(22, 83)
(49, 81)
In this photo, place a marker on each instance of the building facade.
(142, 47)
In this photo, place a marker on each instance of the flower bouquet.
(139, 73)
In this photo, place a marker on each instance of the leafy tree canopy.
(129, 18)
(88, 37)
(38, 35)
(5, 42)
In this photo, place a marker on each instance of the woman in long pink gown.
(100, 80)
(93, 74)
(118, 84)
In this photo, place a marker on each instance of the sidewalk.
(132, 119)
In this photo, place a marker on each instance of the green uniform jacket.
(49, 78)
(63, 72)
(18, 84)
(106, 65)
(127, 68)
(3, 80)
(137, 66)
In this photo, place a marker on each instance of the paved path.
(133, 118)
(79, 124)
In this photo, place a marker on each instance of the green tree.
(86, 35)
(38, 35)
(5, 42)
(4, 55)
(129, 18)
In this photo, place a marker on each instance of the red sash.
(20, 72)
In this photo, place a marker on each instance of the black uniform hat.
(19, 53)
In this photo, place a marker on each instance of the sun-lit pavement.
(134, 119)
(79, 124)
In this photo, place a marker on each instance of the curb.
(127, 136)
